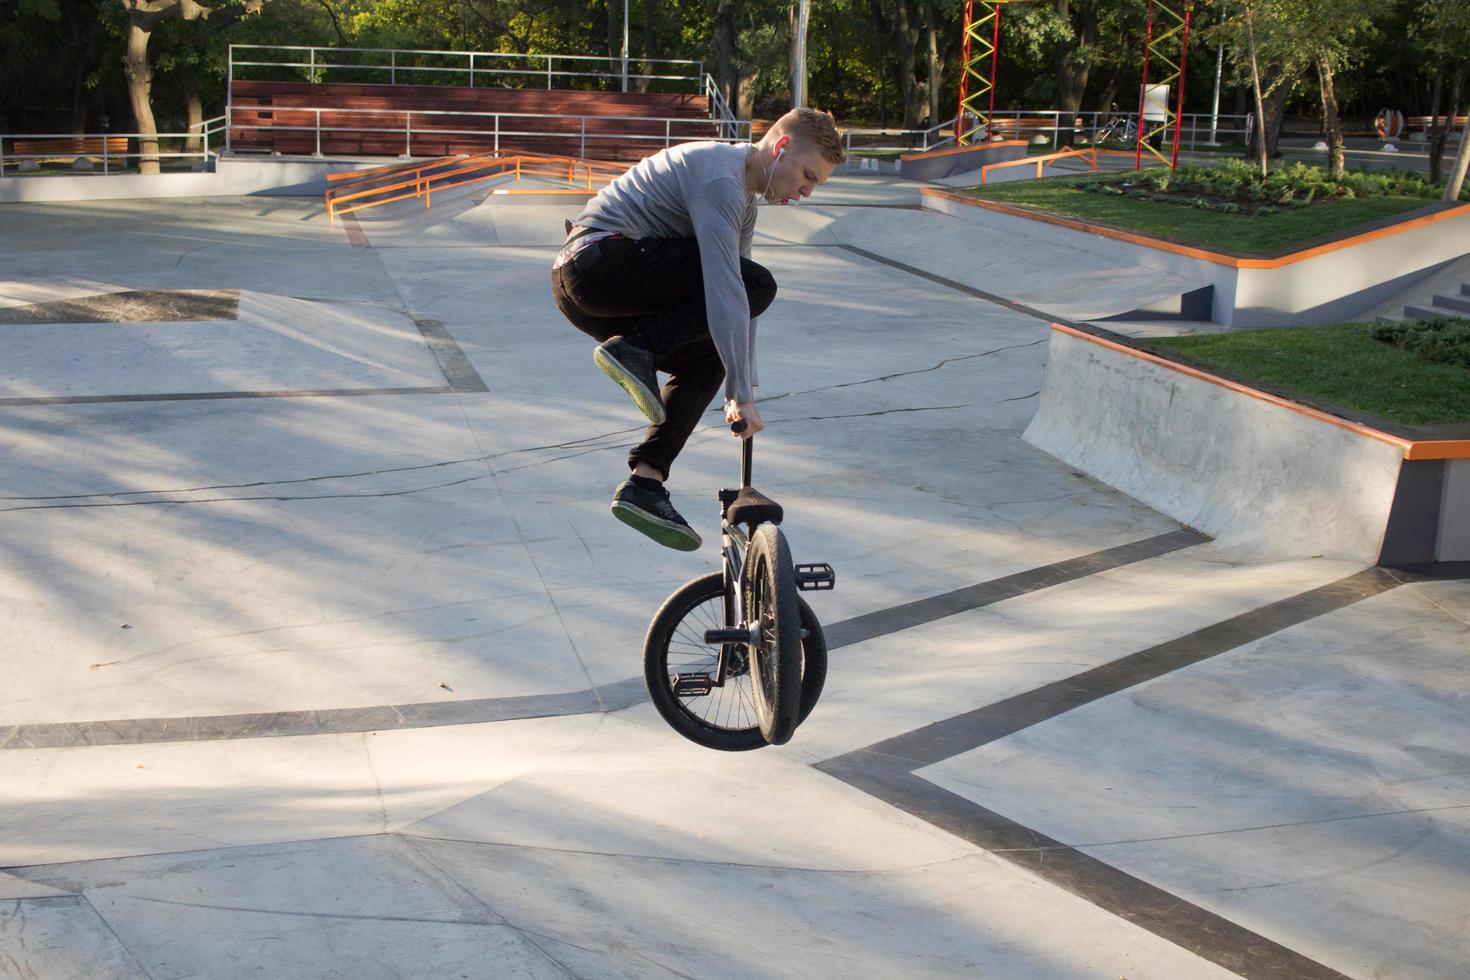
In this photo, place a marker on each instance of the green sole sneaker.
(680, 537)
(646, 399)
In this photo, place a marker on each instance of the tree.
(1444, 33)
(144, 17)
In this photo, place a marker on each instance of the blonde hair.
(813, 128)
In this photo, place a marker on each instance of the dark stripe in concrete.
(1147, 906)
(458, 370)
(886, 770)
(130, 306)
(612, 697)
(332, 721)
(944, 739)
(958, 286)
(912, 614)
(356, 237)
(188, 396)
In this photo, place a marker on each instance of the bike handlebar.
(738, 427)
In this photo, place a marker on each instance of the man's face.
(799, 172)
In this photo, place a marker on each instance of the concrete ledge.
(1319, 283)
(1271, 477)
(937, 164)
(108, 187)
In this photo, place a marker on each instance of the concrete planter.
(1272, 477)
(1327, 282)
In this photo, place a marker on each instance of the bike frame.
(733, 543)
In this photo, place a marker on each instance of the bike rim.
(729, 708)
(762, 610)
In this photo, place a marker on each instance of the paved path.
(322, 651)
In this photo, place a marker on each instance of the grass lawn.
(1190, 226)
(1338, 363)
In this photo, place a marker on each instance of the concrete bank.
(1327, 282)
(1267, 476)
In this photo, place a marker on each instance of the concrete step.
(1433, 313)
(1461, 302)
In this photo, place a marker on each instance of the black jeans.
(651, 291)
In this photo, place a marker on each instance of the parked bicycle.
(1118, 129)
(736, 659)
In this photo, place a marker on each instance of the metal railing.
(112, 161)
(1196, 129)
(316, 63)
(495, 130)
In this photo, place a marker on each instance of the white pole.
(625, 45)
(798, 84)
(1219, 65)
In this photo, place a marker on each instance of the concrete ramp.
(1269, 479)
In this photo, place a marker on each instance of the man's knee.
(760, 287)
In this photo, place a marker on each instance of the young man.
(657, 269)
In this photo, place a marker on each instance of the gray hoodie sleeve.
(718, 214)
(747, 238)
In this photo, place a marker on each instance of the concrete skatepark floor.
(323, 653)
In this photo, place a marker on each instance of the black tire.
(770, 601)
(725, 718)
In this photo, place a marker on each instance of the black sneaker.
(632, 368)
(651, 512)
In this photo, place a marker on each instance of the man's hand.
(744, 412)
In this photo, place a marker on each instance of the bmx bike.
(736, 659)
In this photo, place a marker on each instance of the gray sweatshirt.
(696, 190)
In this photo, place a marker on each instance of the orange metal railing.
(360, 189)
(1089, 152)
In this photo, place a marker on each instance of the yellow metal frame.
(1167, 43)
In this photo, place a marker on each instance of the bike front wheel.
(726, 717)
(772, 614)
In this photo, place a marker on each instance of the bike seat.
(752, 507)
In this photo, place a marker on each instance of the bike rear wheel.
(725, 718)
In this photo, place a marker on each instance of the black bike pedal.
(693, 685)
(815, 577)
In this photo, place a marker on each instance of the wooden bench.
(1422, 122)
(1013, 126)
(65, 149)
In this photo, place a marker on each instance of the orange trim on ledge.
(1428, 449)
(1219, 258)
(931, 154)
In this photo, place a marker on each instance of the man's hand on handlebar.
(744, 412)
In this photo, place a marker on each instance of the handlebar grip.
(738, 427)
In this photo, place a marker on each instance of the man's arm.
(717, 214)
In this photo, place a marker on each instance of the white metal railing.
(317, 62)
(112, 160)
(729, 130)
(1195, 129)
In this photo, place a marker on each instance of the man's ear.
(782, 143)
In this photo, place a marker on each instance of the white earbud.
(771, 174)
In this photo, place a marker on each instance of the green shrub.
(1442, 341)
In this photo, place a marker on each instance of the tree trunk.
(1072, 75)
(1440, 135)
(746, 87)
(728, 75)
(898, 33)
(936, 67)
(649, 11)
(1336, 159)
(140, 84)
(1462, 162)
(615, 38)
(1258, 134)
(189, 76)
